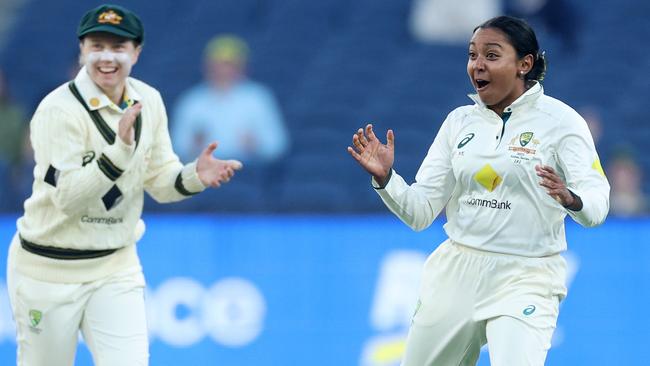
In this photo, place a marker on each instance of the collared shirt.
(483, 170)
(87, 191)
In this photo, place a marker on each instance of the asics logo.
(465, 140)
(529, 310)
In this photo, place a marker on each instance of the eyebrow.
(487, 44)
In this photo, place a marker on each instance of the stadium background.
(313, 270)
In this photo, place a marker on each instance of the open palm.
(375, 157)
(213, 172)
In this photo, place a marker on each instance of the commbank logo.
(493, 203)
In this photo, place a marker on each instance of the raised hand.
(125, 129)
(556, 188)
(212, 172)
(375, 157)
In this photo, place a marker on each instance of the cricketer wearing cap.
(99, 142)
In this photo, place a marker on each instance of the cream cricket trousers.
(110, 313)
(470, 297)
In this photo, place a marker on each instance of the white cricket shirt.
(88, 192)
(483, 170)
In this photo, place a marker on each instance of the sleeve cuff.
(575, 197)
(188, 182)
(376, 184)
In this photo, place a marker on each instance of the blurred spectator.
(449, 21)
(592, 117)
(13, 126)
(626, 197)
(559, 17)
(13, 134)
(228, 107)
(452, 21)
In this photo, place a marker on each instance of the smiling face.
(108, 60)
(495, 70)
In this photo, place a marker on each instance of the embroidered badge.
(35, 317)
(525, 138)
(109, 17)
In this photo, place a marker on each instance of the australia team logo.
(523, 147)
(525, 138)
(109, 17)
(35, 317)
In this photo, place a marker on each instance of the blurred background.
(296, 261)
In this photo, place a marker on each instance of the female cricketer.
(99, 141)
(508, 169)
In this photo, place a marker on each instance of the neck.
(497, 109)
(518, 92)
(115, 94)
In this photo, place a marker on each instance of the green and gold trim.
(104, 129)
(108, 168)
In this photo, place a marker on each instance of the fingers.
(225, 170)
(553, 184)
(354, 154)
(545, 171)
(125, 125)
(390, 139)
(130, 115)
(356, 141)
(547, 174)
(361, 138)
(235, 164)
(369, 132)
(227, 173)
(136, 108)
(210, 149)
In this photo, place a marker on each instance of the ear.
(525, 64)
(81, 60)
(136, 54)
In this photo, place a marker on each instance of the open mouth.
(481, 84)
(107, 69)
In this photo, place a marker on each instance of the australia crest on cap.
(109, 17)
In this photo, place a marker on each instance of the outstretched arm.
(418, 204)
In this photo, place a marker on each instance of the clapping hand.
(125, 129)
(375, 157)
(212, 171)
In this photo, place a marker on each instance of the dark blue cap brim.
(108, 29)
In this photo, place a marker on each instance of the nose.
(478, 64)
(106, 56)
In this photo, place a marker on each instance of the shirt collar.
(532, 94)
(95, 98)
